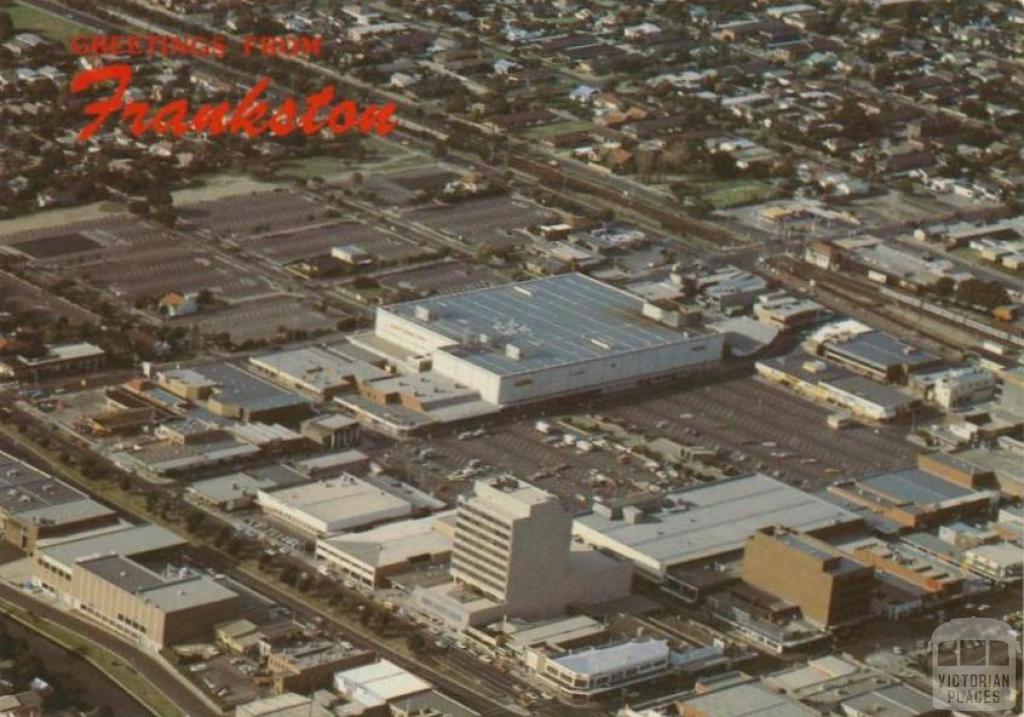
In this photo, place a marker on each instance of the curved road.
(144, 664)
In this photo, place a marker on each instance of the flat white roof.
(394, 542)
(379, 683)
(709, 520)
(338, 499)
(599, 660)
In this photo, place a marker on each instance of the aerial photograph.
(511, 358)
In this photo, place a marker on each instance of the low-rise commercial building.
(310, 666)
(126, 581)
(704, 524)
(592, 671)
(36, 506)
(999, 562)
(914, 499)
(330, 506)
(369, 557)
(227, 390)
(318, 370)
(59, 359)
(379, 684)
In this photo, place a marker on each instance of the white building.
(1001, 562)
(594, 670)
(543, 338)
(378, 684)
(331, 506)
(369, 557)
(512, 543)
(964, 385)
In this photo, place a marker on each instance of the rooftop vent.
(514, 352)
(523, 290)
(422, 313)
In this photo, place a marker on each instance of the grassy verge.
(123, 674)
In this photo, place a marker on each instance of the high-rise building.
(829, 588)
(512, 544)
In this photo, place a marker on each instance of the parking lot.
(765, 428)
(288, 246)
(492, 220)
(261, 320)
(443, 278)
(447, 465)
(153, 271)
(256, 212)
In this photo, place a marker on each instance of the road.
(223, 563)
(147, 666)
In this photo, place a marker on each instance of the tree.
(194, 521)
(416, 642)
(223, 536)
(6, 26)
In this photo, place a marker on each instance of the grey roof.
(915, 486)
(712, 520)
(185, 594)
(317, 369)
(598, 660)
(892, 701)
(868, 390)
(555, 321)
(238, 387)
(122, 572)
(135, 540)
(33, 495)
(747, 700)
(881, 350)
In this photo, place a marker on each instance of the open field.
(59, 218)
(219, 186)
(30, 19)
(552, 130)
(735, 193)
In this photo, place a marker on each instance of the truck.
(542, 427)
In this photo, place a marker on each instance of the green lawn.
(29, 19)
(551, 130)
(735, 193)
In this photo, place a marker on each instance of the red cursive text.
(251, 116)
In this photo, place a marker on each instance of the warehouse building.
(124, 579)
(336, 504)
(914, 499)
(543, 338)
(226, 390)
(35, 506)
(664, 533)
